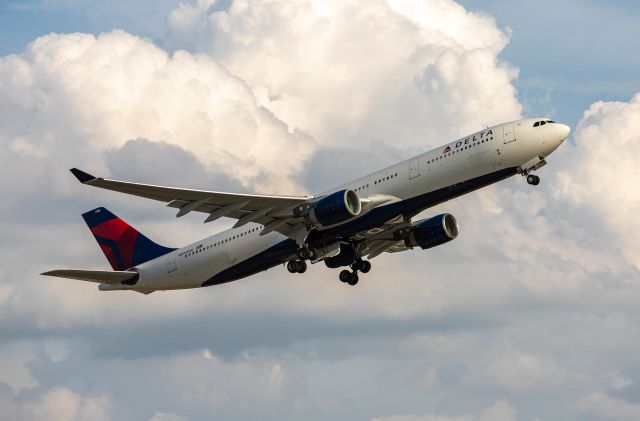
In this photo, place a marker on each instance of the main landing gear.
(300, 265)
(351, 277)
(297, 266)
(306, 253)
(534, 180)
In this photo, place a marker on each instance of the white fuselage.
(505, 146)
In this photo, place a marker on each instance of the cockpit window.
(542, 123)
(536, 124)
(550, 121)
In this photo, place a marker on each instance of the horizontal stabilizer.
(99, 276)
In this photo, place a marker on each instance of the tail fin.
(122, 244)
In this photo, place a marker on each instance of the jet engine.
(432, 232)
(335, 208)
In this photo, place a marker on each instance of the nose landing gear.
(534, 180)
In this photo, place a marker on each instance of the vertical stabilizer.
(122, 244)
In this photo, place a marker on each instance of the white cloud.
(519, 370)
(605, 406)
(60, 403)
(527, 301)
(167, 416)
(352, 72)
(79, 91)
(602, 171)
(14, 370)
(499, 411)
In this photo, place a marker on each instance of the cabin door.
(171, 262)
(509, 133)
(414, 168)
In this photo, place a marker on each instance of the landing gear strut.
(534, 180)
(351, 277)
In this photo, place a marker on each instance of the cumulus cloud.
(13, 366)
(351, 72)
(166, 416)
(522, 370)
(60, 403)
(499, 411)
(526, 306)
(78, 90)
(602, 170)
(605, 406)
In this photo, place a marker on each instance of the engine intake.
(335, 208)
(433, 232)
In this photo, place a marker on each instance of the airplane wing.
(274, 212)
(99, 276)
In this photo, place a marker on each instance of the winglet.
(82, 176)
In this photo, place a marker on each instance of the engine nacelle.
(335, 208)
(432, 232)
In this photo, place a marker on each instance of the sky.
(530, 314)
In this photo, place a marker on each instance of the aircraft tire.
(534, 180)
(353, 279)
(365, 267)
(301, 266)
(344, 276)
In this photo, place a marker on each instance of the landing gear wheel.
(301, 266)
(345, 276)
(306, 253)
(354, 279)
(534, 180)
(365, 267)
(292, 266)
(303, 253)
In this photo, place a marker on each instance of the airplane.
(345, 227)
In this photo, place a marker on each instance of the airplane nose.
(564, 131)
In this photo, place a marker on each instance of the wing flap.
(99, 276)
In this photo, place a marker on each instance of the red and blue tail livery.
(122, 244)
